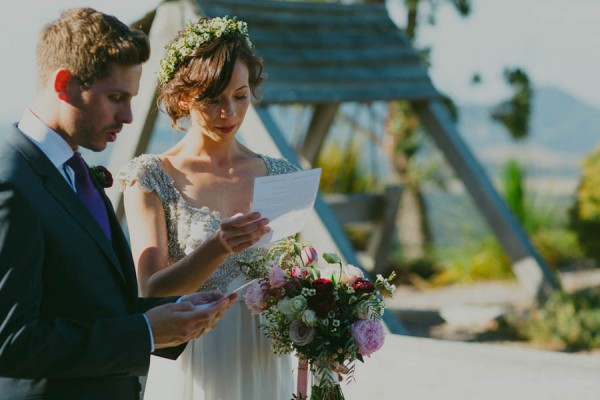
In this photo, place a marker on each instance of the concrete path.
(409, 368)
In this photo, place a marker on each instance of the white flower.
(301, 333)
(309, 317)
(284, 305)
(298, 304)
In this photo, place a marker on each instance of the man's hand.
(177, 323)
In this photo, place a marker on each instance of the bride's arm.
(148, 236)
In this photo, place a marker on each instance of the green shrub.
(585, 213)
(559, 247)
(567, 321)
(482, 259)
(342, 173)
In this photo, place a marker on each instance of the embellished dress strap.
(278, 166)
(148, 173)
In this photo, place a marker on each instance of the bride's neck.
(199, 146)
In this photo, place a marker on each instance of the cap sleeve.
(145, 171)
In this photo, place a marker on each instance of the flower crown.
(195, 35)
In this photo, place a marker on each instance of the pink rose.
(300, 333)
(309, 256)
(351, 274)
(277, 277)
(368, 335)
(254, 297)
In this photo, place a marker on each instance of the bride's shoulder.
(277, 166)
(145, 170)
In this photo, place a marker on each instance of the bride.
(189, 218)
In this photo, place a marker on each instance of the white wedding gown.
(234, 361)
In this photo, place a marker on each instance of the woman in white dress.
(188, 212)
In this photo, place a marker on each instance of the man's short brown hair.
(87, 42)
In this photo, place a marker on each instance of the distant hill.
(563, 130)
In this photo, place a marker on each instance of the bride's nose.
(228, 110)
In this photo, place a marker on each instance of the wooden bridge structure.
(324, 54)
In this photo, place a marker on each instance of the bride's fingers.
(240, 244)
(229, 232)
(240, 220)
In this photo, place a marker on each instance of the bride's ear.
(63, 80)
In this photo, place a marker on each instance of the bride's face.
(221, 117)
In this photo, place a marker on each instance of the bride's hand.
(241, 231)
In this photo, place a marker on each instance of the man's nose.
(125, 115)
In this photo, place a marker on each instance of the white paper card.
(286, 200)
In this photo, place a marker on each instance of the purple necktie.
(88, 193)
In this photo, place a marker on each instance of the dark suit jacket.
(70, 318)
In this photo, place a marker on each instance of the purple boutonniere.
(103, 175)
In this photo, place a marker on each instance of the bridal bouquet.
(330, 315)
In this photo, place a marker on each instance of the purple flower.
(276, 277)
(368, 335)
(300, 333)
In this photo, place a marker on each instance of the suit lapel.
(120, 243)
(57, 186)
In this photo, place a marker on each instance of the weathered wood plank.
(323, 117)
(368, 55)
(352, 208)
(284, 92)
(319, 40)
(290, 6)
(380, 245)
(350, 73)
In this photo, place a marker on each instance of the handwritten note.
(286, 200)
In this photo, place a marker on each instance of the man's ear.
(62, 82)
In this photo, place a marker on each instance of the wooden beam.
(133, 140)
(530, 268)
(380, 244)
(357, 207)
(323, 116)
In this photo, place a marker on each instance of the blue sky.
(556, 41)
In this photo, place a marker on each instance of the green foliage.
(513, 178)
(585, 213)
(341, 172)
(556, 244)
(514, 113)
(567, 321)
(482, 259)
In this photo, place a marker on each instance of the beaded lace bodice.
(188, 226)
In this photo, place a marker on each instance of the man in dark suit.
(71, 323)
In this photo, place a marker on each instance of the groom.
(71, 323)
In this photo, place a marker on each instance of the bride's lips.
(226, 129)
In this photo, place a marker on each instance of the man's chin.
(96, 147)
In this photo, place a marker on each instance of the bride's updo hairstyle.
(200, 62)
